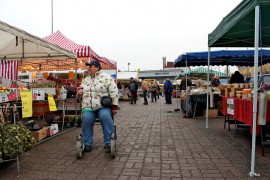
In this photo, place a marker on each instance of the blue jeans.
(107, 124)
(168, 97)
(145, 96)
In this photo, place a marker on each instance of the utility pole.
(52, 14)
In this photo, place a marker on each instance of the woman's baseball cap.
(95, 63)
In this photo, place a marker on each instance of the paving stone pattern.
(154, 142)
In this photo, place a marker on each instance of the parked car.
(265, 79)
(223, 81)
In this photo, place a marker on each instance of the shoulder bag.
(106, 101)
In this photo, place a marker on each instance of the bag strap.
(16, 112)
(7, 112)
(2, 119)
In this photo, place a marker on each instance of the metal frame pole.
(255, 91)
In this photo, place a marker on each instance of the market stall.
(20, 45)
(246, 26)
(242, 110)
(123, 80)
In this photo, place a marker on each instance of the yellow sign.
(52, 105)
(26, 97)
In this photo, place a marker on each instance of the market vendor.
(183, 83)
(50, 77)
(199, 82)
(215, 82)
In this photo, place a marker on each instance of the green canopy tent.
(237, 28)
(247, 25)
(201, 72)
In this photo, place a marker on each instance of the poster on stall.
(52, 105)
(5, 82)
(26, 98)
(230, 106)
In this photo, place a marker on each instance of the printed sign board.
(230, 106)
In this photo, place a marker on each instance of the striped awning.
(9, 69)
(203, 70)
(81, 50)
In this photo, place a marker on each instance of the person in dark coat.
(183, 83)
(168, 89)
(133, 87)
(237, 78)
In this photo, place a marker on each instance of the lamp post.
(128, 66)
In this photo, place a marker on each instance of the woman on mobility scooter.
(93, 87)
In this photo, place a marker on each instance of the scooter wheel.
(79, 147)
(113, 148)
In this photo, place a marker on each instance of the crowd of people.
(151, 90)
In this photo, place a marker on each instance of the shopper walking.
(158, 90)
(93, 87)
(153, 90)
(145, 90)
(168, 89)
(133, 87)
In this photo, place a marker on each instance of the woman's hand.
(114, 112)
(80, 92)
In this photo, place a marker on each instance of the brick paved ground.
(154, 142)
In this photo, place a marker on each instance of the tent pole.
(177, 90)
(207, 91)
(186, 95)
(255, 90)
(76, 84)
(227, 72)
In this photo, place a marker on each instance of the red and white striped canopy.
(82, 51)
(9, 69)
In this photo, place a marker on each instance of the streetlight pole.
(128, 66)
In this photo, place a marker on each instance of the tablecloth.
(243, 111)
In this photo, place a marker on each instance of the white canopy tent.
(18, 44)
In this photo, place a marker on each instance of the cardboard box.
(38, 94)
(52, 130)
(212, 113)
(125, 97)
(39, 134)
(47, 90)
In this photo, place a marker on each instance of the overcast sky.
(140, 32)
